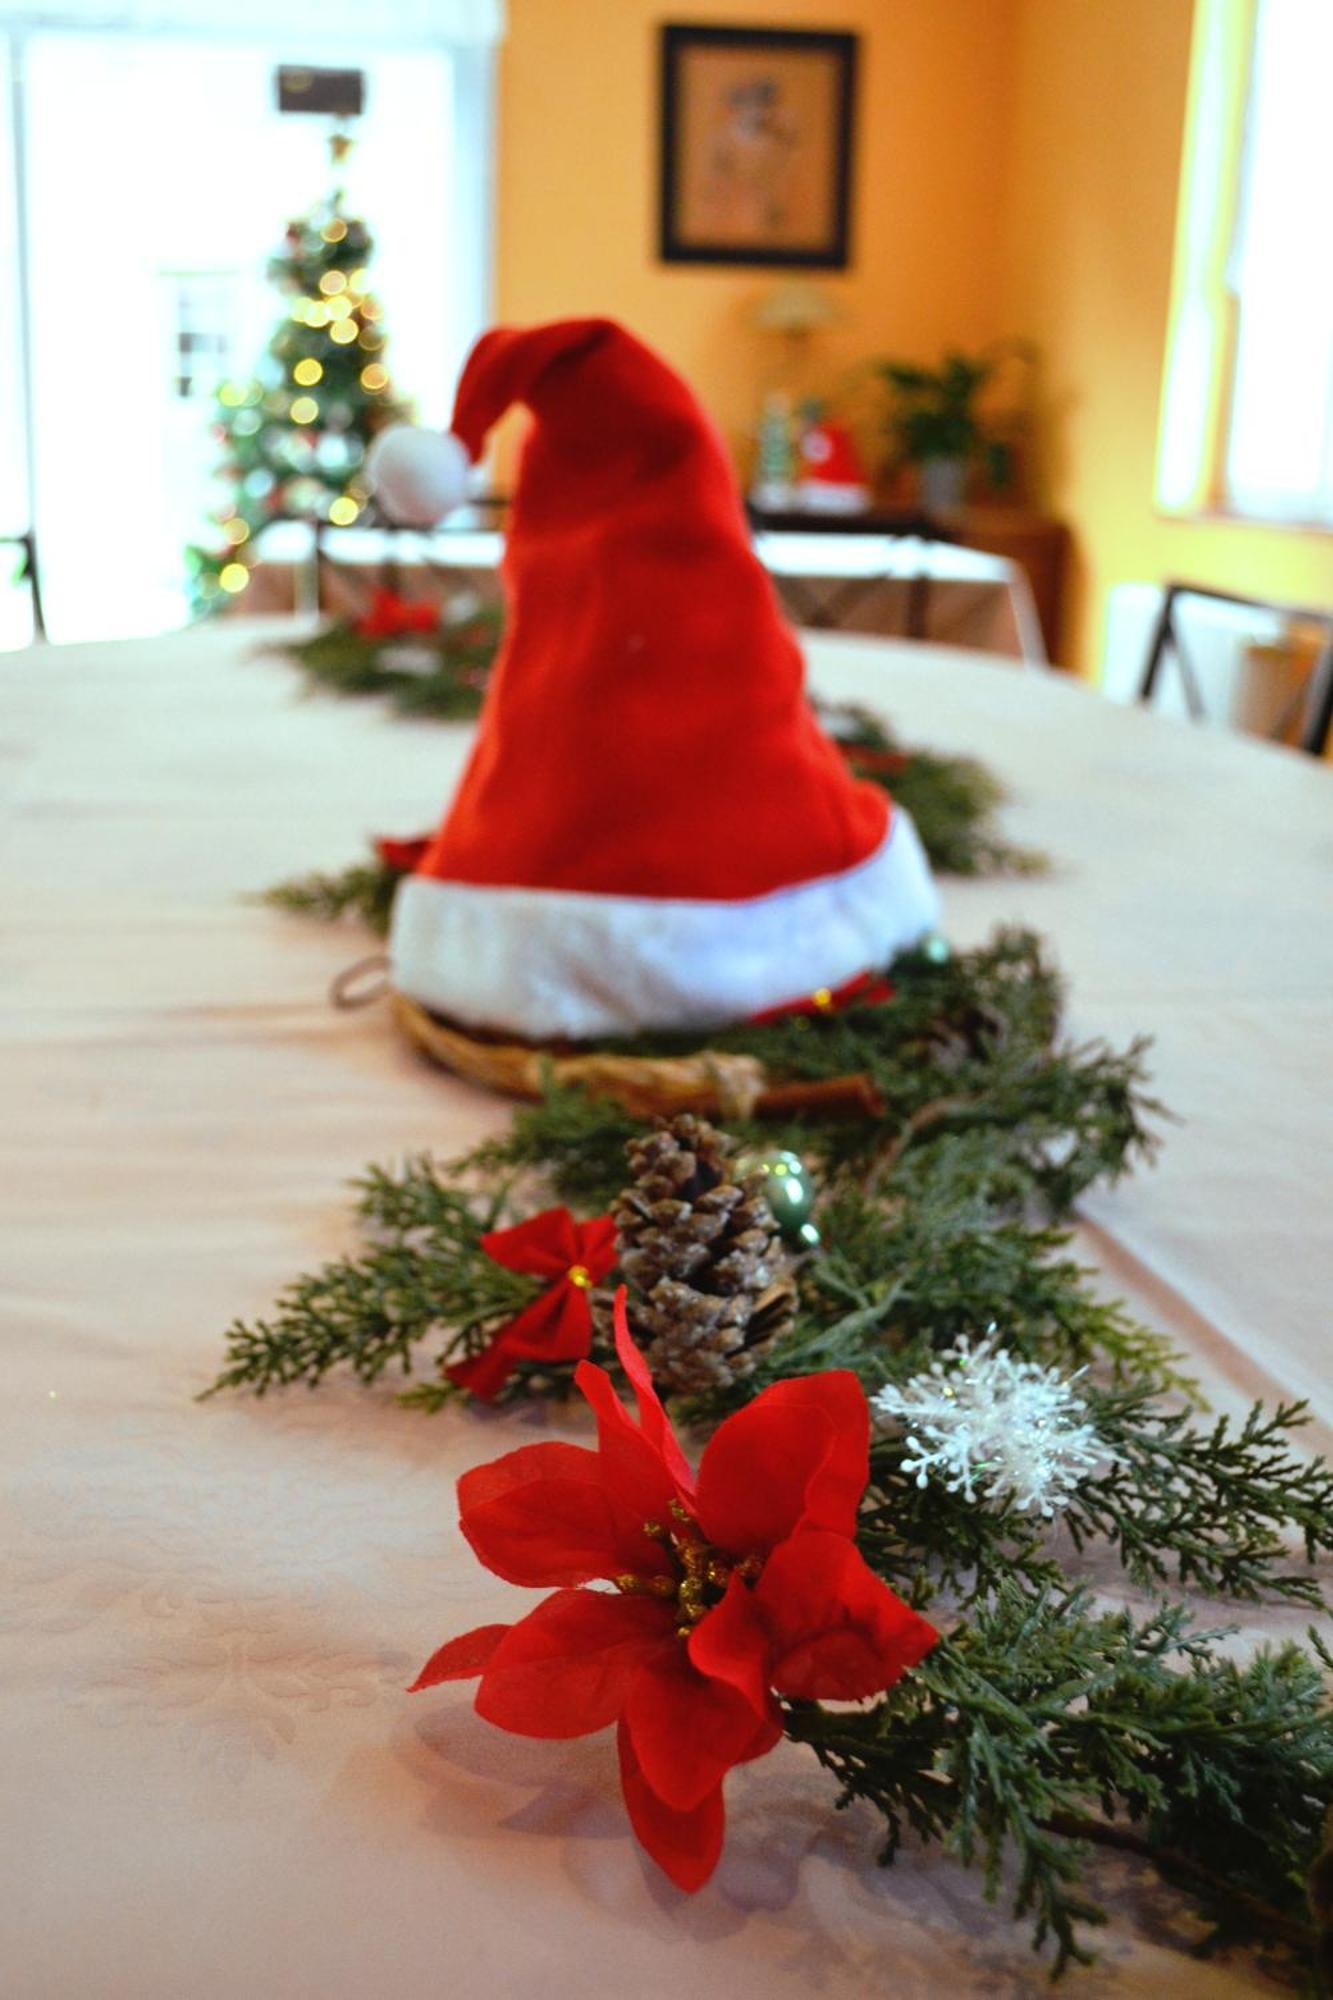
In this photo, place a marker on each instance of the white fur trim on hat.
(548, 963)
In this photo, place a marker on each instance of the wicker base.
(714, 1084)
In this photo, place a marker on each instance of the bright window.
(1247, 417)
(157, 178)
(1279, 451)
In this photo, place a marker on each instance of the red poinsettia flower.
(393, 617)
(558, 1325)
(868, 989)
(729, 1588)
(406, 856)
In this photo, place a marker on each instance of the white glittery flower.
(979, 1419)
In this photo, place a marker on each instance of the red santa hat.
(832, 477)
(651, 830)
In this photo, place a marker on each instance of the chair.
(1313, 700)
(27, 542)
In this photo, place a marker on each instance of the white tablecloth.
(214, 1784)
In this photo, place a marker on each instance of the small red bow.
(394, 617)
(868, 989)
(403, 856)
(872, 763)
(557, 1326)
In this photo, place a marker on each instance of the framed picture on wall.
(756, 154)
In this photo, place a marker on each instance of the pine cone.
(700, 1252)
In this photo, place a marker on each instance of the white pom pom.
(418, 476)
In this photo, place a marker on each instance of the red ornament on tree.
(558, 1325)
(731, 1587)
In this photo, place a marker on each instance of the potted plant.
(935, 424)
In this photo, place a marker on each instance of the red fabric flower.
(558, 1325)
(868, 989)
(393, 617)
(406, 856)
(728, 1587)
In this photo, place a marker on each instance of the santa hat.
(832, 477)
(651, 830)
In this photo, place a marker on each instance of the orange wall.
(578, 184)
(1087, 239)
(1017, 172)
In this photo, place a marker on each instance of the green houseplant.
(935, 423)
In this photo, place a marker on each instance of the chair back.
(1304, 710)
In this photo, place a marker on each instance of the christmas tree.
(296, 436)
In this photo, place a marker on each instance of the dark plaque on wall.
(332, 93)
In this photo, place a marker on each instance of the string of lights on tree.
(296, 435)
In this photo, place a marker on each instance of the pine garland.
(422, 1270)
(1041, 1726)
(364, 891)
(953, 800)
(1044, 1725)
(448, 687)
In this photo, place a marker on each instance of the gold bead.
(580, 1275)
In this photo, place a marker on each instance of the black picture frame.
(686, 46)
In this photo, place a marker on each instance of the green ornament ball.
(790, 1191)
(936, 947)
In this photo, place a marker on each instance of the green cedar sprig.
(1210, 1507)
(339, 660)
(966, 1054)
(1222, 1502)
(1214, 1506)
(1041, 1725)
(422, 1273)
(1319, 1891)
(364, 891)
(952, 800)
